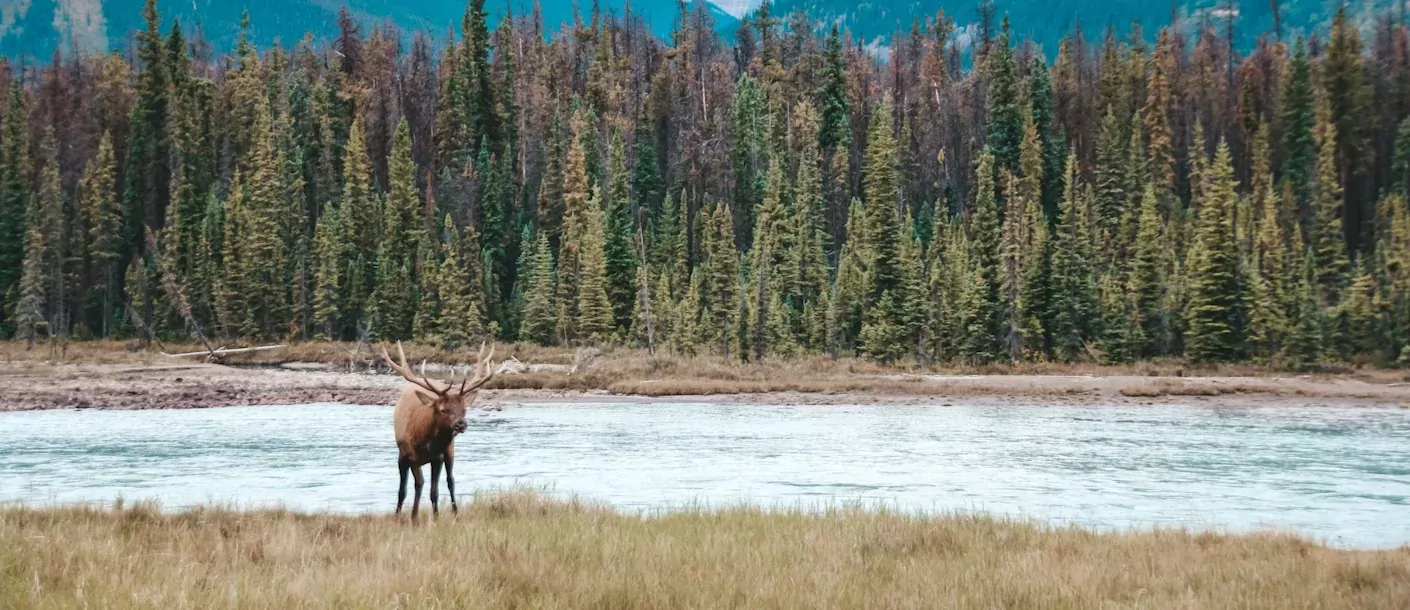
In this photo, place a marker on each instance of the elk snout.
(459, 426)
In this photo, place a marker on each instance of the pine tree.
(148, 171)
(1075, 298)
(594, 308)
(361, 215)
(1343, 77)
(462, 315)
(1401, 173)
(101, 214)
(14, 204)
(261, 253)
(844, 313)
(770, 266)
(749, 128)
(833, 101)
(1111, 174)
(1143, 281)
(30, 319)
(981, 308)
(1363, 310)
(1156, 113)
(1212, 315)
(888, 321)
(1328, 244)
(1305, 343)
(719, 283)
(1005, 107)
(1297, 118)
(620, 235)
(1270, 305)
(540, 311)
(330, 255)
(393, 304)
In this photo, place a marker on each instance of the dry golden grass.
(517, 550)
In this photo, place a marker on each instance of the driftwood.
(224, 351)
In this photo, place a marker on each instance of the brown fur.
(428, 416)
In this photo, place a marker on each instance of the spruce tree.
(888, 321)
(1343, 78)
(1005, 106)
(1401, 173)
(980, 305)
(620, 236)
(1075, 298)
(1112, 175)
(330, 256)
(101, 214)
(1328, 242)
(1306, 345)
(540, 308)
(1297, 118)
(393, 304)
(361, 215)
(1143, 281)
(261, 257)
(594, 320)
(833, 102)
(148, 171)
(462, 315)
(719, 283)
(844, 313)
(14, 203)
(1212, 315)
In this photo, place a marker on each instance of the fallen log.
(225, 351)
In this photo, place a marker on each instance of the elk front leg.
(435, 484)
(450, 481)
(416, 499)
(405, 466)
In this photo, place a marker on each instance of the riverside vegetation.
(516, 549)
(789, 194)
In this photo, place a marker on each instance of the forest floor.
(117, 376)
(519, 550)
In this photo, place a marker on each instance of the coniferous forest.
(1146, 195)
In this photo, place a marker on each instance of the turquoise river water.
(1340, 475)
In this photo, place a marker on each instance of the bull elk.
(428, 416)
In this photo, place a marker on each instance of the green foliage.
(1214, 333)
(14, 204)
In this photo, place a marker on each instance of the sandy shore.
(31, 385)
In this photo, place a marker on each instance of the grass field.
(518, 550)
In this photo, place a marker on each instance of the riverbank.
(519, 550)
(109, 375)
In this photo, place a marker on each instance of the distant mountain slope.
(35, 27)
(1046, 21)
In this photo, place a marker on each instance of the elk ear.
(426, 397)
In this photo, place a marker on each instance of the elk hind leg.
(416, 499)
(450, 480)
(435, 485)
(404, 466)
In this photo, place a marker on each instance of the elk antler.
(406, 373)
(483, 372)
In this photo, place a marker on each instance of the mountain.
(1047, 21)
(34, 28)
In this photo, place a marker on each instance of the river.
(1340, 475)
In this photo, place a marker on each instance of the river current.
(1340, 475)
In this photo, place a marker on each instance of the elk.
(428, 416)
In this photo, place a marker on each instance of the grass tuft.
(520, 549)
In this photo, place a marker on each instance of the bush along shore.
(516, 550)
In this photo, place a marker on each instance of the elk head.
(447, 400)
